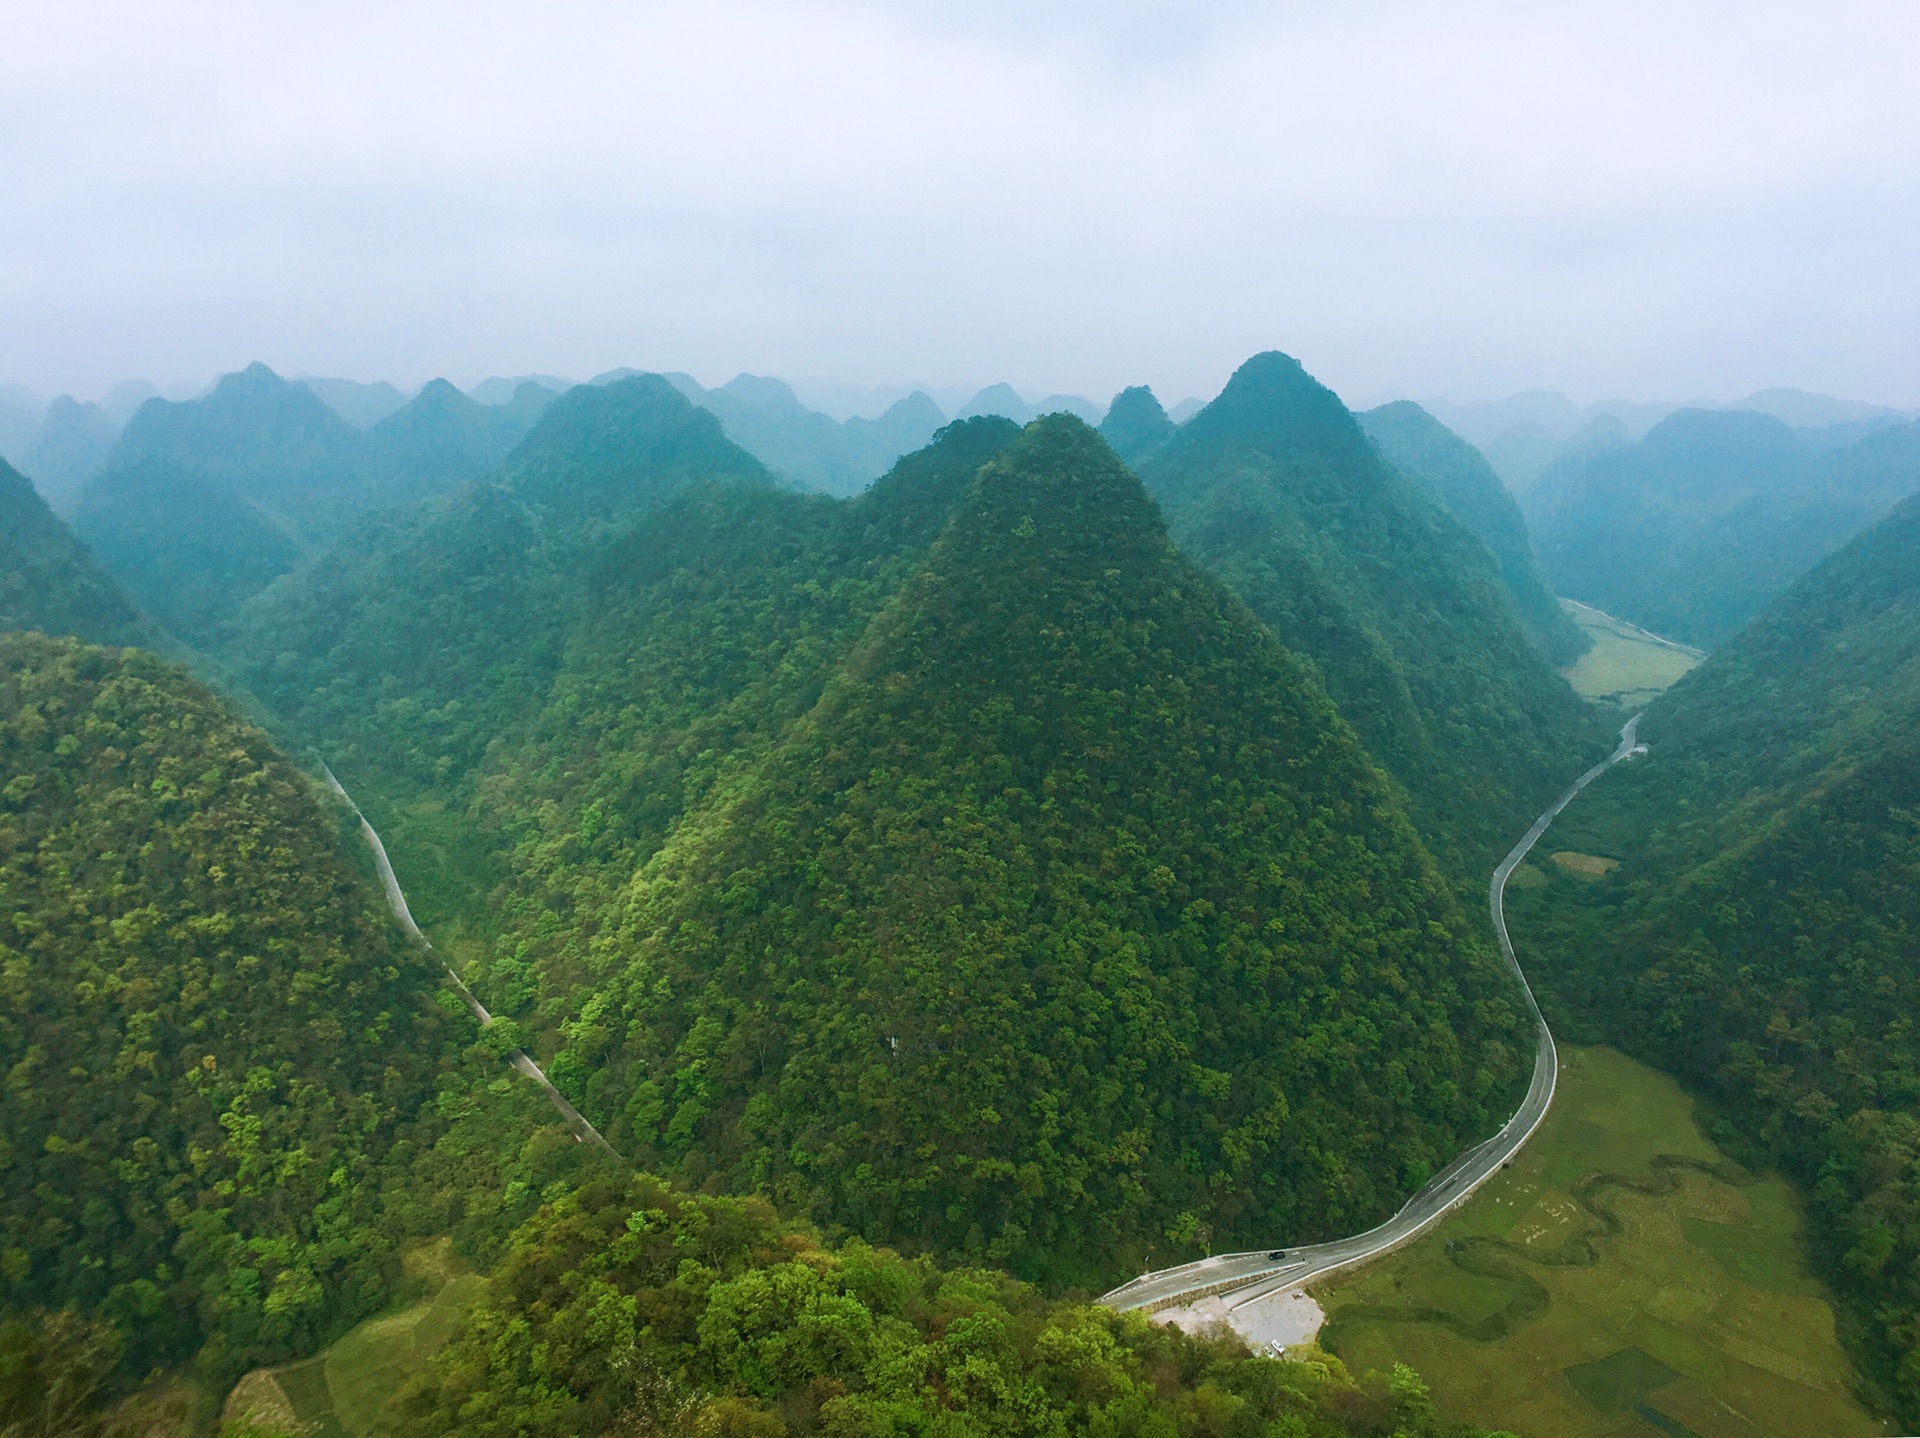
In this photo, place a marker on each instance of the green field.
(1627, 666)
(1620, 1277)
(343, 1393)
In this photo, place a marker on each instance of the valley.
(922, 907)
(1623, 1275)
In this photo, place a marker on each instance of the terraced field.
(1621, 1277)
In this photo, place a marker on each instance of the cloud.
(1413, 198)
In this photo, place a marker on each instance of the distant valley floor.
(1627, 666)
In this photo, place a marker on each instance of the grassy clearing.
(1620, 1277)
(1591, 867)
(1627, 667)
(344, 1392)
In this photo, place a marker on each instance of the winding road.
(583, 1131)
(1252, 1276)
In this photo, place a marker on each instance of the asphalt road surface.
(1250, 1276)
(583, 1131)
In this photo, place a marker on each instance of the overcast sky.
(1459, 199)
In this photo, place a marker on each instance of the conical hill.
(1072, 917)
(1276, 489)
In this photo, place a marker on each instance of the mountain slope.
(1759, 936)
(1691, 531)
(48, 581)
(1458, 475)
(212, 1032)
(1071, 914)
(464, 602)
(438, 441)
(1274, 487)
(203, 504)
(1135, 425)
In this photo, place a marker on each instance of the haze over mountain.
(765, 418)
(1525, 434)
(719, 675)
(360, 405)
(1692, 530)
(1459, 477)
(1758, 937)
(49, 582)
(1275, 487)
(203, 503)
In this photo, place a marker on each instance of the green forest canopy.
(1275, 489)
(801, 690)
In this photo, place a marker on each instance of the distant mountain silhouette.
(1135, 425)
(764, 417)
(69, 448)
(1694, 529)
(360, 405)
(1004, 400)
(204, 503)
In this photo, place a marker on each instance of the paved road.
(1250, 1276)
(583, 1131)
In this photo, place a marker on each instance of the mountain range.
(639, 678)
(1063, 851)
(203, 503)
(1276, 488)
(1690, 531)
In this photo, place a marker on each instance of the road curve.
(1251, 1276)
(582, 1130)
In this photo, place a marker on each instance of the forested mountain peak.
(614, 447)
(1135, 423)
(254, 423)
(1273, 405)
(48, 581)
(1276, 488)
(931, 480)
(1016, 945)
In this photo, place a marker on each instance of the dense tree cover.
(712, 677)
(1069, 921)
(1135, 424)
(428, 636)
(1693, 530)
(230, 1091)
(1761, 936)
(1458, 475)
(1275, 488)
(636, 1308)
(48, 581)
(202, 504)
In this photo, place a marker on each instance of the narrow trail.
(583, 1131)
(1258, 1274)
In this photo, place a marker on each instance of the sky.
(1465, 199)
